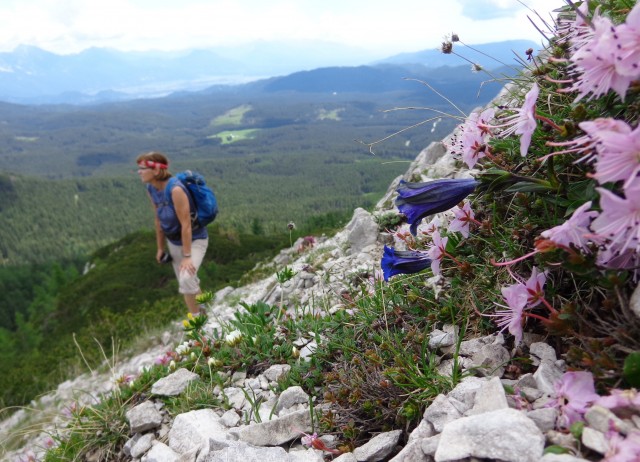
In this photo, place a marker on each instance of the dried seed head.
(447, 47)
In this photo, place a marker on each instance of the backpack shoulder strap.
(174, 181)
(168, 188)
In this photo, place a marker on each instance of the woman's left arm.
(183, 212)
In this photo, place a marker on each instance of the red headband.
(152, 164)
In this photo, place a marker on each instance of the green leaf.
(580, 192)
(452, 242)
(577, 429)
(631, 369)
(555, 449)
(529, 187)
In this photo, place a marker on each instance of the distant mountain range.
(29, 75)
(386, 78)
(489, 55)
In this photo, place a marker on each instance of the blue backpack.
(202, 198)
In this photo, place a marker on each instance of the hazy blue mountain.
(380, 79)
(29, 75)
(488, 55)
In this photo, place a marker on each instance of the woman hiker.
(172, 205)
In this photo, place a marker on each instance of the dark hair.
(155, 156)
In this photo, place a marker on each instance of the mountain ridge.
(30, 75)
(487, 55)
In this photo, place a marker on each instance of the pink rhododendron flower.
(628, 51)
(621, 400)
(596, 62)
(314, 441)
(614, 258)
(632, 187)
(575, 392)
(307, 440)
(622, 449)
(618, 154)
(588, 144)
(431, 227)
(602, 125)
(619, 221)
(575, 230)
(511, 317)
(595, 130)
(520, 297)
(520, 402)
(577, 30)
(534, 286)
(436, 251)
(471, 142)
(163, 360)
(463, 218)
(523, 122)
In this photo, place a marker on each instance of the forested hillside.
(124, 294)
(272, 154)
(50, 220)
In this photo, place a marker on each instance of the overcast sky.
(385, 26)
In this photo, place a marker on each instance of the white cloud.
(489, 9)
(67, 26)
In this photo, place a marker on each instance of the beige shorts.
(188, 284)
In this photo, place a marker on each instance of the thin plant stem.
(487, 55)
(426, 84)
(370, 145)
(75, 341)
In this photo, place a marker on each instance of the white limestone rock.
(193, 430)
(174, 384)
(506, 435)
(378, 447)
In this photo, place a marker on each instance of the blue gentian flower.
(403, 262)
(419, 200)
